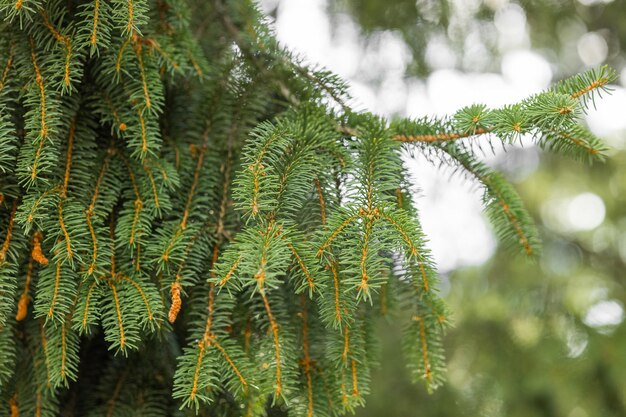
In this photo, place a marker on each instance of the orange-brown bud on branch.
(176, 302)
(37, 253)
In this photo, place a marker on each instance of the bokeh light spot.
(592, 49)
(585, 212)
(604, 314)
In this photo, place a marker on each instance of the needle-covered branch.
(192, 220)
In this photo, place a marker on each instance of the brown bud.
(22, 308)
(176, 302)
(37, 253)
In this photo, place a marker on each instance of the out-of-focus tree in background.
(530, 339)
(475, 33)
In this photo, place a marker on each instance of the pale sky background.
(450, 207)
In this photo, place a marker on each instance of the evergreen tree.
(196, 222)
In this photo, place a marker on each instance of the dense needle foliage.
(194, 221)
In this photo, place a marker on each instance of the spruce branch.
(202, 221)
